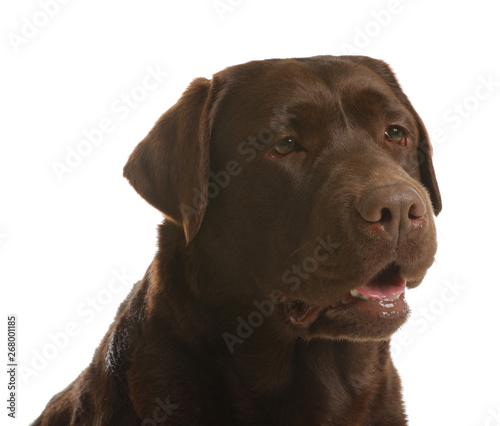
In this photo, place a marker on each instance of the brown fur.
(221, 255)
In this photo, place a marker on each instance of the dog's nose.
(392, 211)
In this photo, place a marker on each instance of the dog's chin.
(372, 311)
(360, 321)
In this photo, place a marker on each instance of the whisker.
(297, 250)
(323, 288)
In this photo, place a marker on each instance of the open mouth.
(382, 296)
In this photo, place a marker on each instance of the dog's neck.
(345, 373)
(340, 382)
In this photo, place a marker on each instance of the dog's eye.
(396, 134)
(284, 146)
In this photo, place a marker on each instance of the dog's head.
(308, 182)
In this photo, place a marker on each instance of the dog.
(298, 197)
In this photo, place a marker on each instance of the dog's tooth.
(357, 294)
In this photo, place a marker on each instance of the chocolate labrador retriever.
(298, 197)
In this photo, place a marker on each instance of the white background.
(61, 240)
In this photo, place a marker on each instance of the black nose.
(392, 211)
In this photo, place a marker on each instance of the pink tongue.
(389, 289)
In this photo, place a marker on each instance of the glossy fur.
(174, 354)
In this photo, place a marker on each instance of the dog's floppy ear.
(427, 174)
(170, 167)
